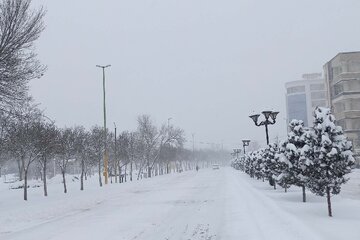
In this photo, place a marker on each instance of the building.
(342, 76)
(303, 96)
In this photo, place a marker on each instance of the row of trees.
(27, 136)
(317, 158)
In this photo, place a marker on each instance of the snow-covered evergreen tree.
(271, 167)
(333, 156)
(258, 164)
(284, 179)
(296, 156)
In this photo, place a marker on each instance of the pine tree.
(333, 156)
(297, 156)
(284, 179)
(258, 164)
(271, 169)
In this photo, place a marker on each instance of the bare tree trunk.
(25, 184)
(120, 175)
(285, 189)
(20, 169)
(82, 175)
(140, 170)
(125, 173)
(328, 201)
(99, 169)
(64, 181)
(115, 170)
(44, 177)
(148, 170)
(131, 171)
(303, 193)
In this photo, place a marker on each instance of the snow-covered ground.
(209, 204)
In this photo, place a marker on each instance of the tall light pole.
(266, 122)
(169, 122)
(106, 159)
(193, 149)
(115, 158)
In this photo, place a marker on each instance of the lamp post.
(246, 143)
(115, 157)
(106, 160)
(168, 122)
(236, 152)
(270, 119)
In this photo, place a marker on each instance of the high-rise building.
(303, 96)
(342, 76)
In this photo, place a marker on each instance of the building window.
(317, 87)
(338, 89)
(318, 103)
(336, 71)
(297, 108)
(355, 104)
(341, 123)
(339, 107)
(352, 124)
(318, 95)
(297, 89)
(352, 85)
(354, 66)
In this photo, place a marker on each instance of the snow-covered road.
(209, 204)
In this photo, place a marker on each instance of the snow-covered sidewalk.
(209, 204)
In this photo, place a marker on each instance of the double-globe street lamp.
(270, 119)
(246, 143)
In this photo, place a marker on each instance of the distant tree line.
(32, 142)
(316, 158)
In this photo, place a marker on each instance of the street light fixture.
(106, 160)
(270, 119)
(236, 152)
(246, 143)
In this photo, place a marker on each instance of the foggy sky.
(206, 64)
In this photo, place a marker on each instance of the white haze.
(206, 64)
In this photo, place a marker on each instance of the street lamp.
(106, 160)
(236, 152)
(270, 119)
(246, 143)
(169, 121)
(115, 158)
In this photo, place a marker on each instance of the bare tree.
(83, 152)
(132, 151)
(154, 140)
(123, 154)
(67, 151)
(24, 136)
(48, 145)
(148, 134)
(5, 120)
(20, 27)
(96, 142)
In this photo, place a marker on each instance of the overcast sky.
(207, 64)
